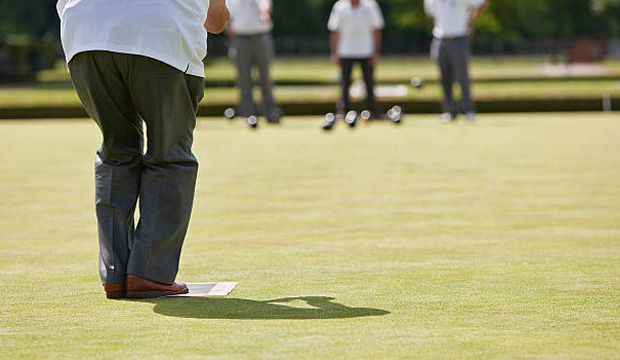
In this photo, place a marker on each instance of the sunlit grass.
(494, 240)
(55, 89)
(66, 96)
(390, 69)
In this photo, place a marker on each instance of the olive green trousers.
(121, 93)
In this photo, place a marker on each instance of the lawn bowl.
(328, 121)
(351, 118)
(395, 114)
(417, 82)
(229, 113)
(251, 121)
(365, 116)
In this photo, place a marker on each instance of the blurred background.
(566, 30)
(531, 39)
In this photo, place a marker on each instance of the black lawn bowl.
(417, 82)
(251, 121)
(351, 118)
(395, 114)
(329, 121)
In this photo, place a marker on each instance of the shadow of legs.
(318, 307)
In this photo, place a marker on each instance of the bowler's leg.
(167, 100)
(346, 67)
(244, 76)
(368, 71)
(442, 54)
(264, 50)
(461, 72)
(101, 89)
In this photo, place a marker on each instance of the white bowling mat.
(209, 289)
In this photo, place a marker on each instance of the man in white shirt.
(355, 27)
(133, 62)
(250, 30)
(451, 50)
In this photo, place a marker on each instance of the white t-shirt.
(451, 16)
(356, 27)
(171, 31)
(245, 17)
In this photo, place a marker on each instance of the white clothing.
(245, 17)
(171, 31)
(451, 16)
(356, 27)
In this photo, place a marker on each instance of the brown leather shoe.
(114, 291)
(140, 288)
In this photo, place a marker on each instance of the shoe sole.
(116, 295)
(152, 294)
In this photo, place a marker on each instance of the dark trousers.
(452, 57)
(346, 66)
(120, 92)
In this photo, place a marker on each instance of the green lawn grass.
(496, 240)
(54, 88)
(41, 95)
(390, 68)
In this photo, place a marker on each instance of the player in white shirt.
(451, 50)
(135, 62)
(252, 47)
(355, 27)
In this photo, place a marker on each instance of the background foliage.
(505, 19)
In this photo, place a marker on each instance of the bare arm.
(476, 12)
(428, 10)
(229, 31)
(217, 16)
(264, 9)
(334, 38)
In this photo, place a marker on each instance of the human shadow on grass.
(310, 307)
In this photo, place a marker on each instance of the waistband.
(247, 36)
(453, 38)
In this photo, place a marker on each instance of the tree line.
(513, 20)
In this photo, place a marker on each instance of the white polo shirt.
(356, 27)
(171, 31)
(245, 17)
(451, 16)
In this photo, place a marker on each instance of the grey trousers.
(120, 92)
(452, 56)
(255, 51)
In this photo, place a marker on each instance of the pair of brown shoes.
(136, 287)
